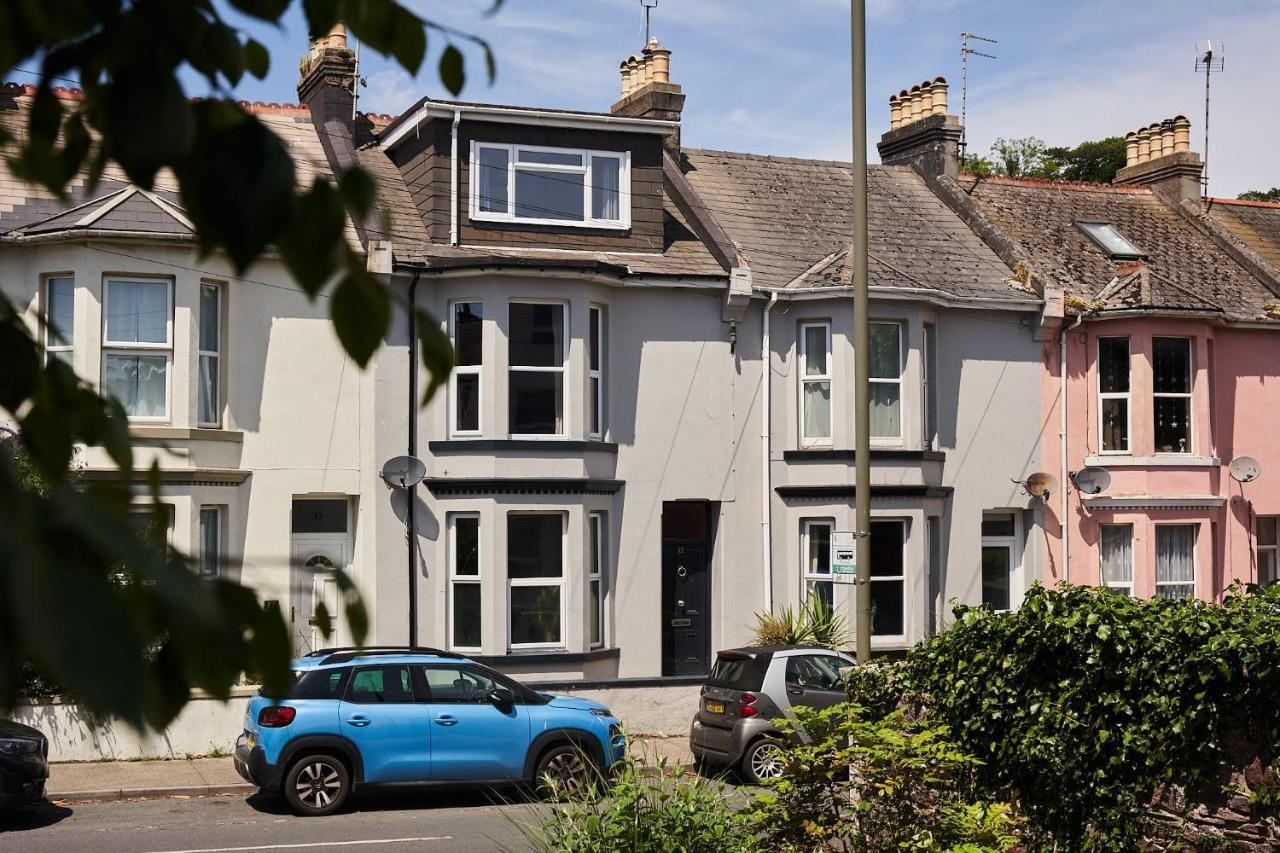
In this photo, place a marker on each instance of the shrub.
(867, 784)
(1081, 703)
(670, 812)
(815, 624)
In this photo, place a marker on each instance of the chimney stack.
(1160, 156)
(327, 84)
(921, 132)
(647, 90)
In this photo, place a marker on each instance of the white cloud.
(391, 90)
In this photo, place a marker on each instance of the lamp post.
(861, 338)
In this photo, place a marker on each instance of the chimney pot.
(1130, 148)
(895, 112)
(1144, 145)
(633, 74)
(1166, 137)
(940, 96)
(926, 98)
(913, 102)
(1181, 134)
(659, 62)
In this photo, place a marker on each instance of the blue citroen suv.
(394, 714)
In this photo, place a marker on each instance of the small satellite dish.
(403, 472)
(1041, 485)
(1245, 469)
(1092, 481)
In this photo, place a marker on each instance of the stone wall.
(1226, 822)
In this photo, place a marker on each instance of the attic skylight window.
(1111, 241)
(550, 186)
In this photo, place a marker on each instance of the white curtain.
(886, 410)
(138, 312)
(209, 389)
(1117, 553)
(1175, 560)
(817, 409)
(139, 382)
(605, 197)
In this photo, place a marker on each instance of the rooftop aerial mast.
(965, 50)
(1210, 57)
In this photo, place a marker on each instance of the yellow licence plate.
(715, 707)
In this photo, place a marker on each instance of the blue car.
(397, 715)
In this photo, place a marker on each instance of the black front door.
(686, 589)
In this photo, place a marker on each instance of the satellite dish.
(403, 472)
(1092, 481)
(1041, 485)
(1245, 469)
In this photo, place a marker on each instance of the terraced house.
(648, 435)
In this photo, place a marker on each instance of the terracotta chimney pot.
(940, 96)
(1144, 145)
(895, 112)
(1181, 134)
(1166, 137)
(1130, 149)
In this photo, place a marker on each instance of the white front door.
(315, 556)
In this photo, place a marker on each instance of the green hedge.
(1083, 701)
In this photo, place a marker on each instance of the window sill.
(542, 656)
(545, 445)
(1161, 460)
(483, 220)
(164, 433)
(805, 454)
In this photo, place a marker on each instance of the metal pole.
(411, 494)
(861, 338)
(1208, 69)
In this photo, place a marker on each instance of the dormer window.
(536, 185)
(1111, 241)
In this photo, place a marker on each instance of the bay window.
(537, 352)
(1113, 394)
(467, 321)
(465, 614)
(597, 561)
(137, 346)
(550, 186)
(886, 381)
(815, 383)
(595, 373)
(535, 577)
(1171, 393)
(210, 541)
(210, 366)
(1116, 557)
(1175, 560)
(59, 319)
(1266, 531)
(888, 578)
(815, 549)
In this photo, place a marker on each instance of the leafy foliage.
(664, 813)
(815, 624)
(1083, 701)
(62, 544)
(1272, 194)
(867, 783)
(1094, 161)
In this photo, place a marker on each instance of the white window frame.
(563, 370)
(456, 580)
(597, 529)
(219, 548)
(512, 583)
(1102, 579)
(476, 370)
(216, 355)
(513, 150)
(1127, 396)
(817, 378)
(1189, 395)
(1013, 543)
(893, 440)
(1273, 549)
(595, 376)
(900, 579)
(135, 348)
(1155, 554)
(807, 577)
(51, 349)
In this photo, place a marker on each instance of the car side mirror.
(502, 698)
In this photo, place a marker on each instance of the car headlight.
(15, 746)
(602, 712)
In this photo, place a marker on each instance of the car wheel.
(763, 761)
(317, 785)
(565, 771)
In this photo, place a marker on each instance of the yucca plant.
(815, 624)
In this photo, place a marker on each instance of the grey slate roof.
(792, 220)
(1185, 268)
(1254, 223)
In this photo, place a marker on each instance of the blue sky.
(773, 77)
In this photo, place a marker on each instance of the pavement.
(197, 777)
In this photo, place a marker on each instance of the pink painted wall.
(1235, 401)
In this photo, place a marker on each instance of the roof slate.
(1186, 269)
(792, 220)
(1256, 224)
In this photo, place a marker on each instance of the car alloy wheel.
(764, 761)
(565, 772)
(317, 785)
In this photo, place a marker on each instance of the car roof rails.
(348, 653)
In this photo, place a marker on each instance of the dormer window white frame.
(539, 185)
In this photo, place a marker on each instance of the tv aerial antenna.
(965, 50)
(648, 6)
(1210, 57)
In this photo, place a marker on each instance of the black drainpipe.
(412, 494)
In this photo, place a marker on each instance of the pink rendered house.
(1166, 310)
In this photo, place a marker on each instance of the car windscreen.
(738, 672)
(320, 684)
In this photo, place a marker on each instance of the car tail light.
(276, 716)
(745, 708)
